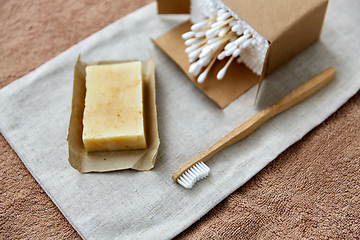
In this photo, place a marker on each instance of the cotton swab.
(205, 60)
(236, 53)
(223, 16)
(202, 24)
(195, 46)
(204, 74)
(222, 72)
(247, 43)
(226, 35)
(205, 51)
(213, 40)
(195, 54)
(241, 39)
(201, 34)
(195, 68)
(230, 51)
(222, 23)
(221, 56)
(191, 41)
(224, 31)
(188, 35)
(212, 32)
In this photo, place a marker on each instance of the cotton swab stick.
(191, 41)
(224, 31)
(204, 74)
(203, 24)
(195, 46)
(222, 72)
(224, 27)
(213, 40)
(205, 51)
(206, 60)
(222, 23)
(195, 54)
(230, 51)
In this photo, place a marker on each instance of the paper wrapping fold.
(113, 160)
(289, 26)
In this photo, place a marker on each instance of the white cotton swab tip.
(221, 11)
(200, 25)
(211, 33)
(214, 46)
(233, 23)
(235, 28)
(196, 70)
(237, 52)
(188, 35)
(229, 45)
(195, 53)
(246, 31)
(221, 56)
(217, 24)
(241, 39)
(205, 61)
(230, 51)
(205, 51)
(221, 74)
(191, 48)
(224, 16)
(200, 34)
(193, 67)
(191, 41)
(247, 43)
(203, 76)
(224, 31)
(213, 40)
(191, 60)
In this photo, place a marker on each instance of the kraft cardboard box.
(289, 27)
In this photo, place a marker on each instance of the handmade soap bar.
(114, 112)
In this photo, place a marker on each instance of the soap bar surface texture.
(114, 113)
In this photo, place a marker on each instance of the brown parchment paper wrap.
(112, 160)
(289, 26)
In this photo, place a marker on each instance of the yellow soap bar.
(114, 111)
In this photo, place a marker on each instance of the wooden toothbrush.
(195, 169)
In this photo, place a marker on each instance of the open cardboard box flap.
(289, 26)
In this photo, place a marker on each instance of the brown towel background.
(312, 190)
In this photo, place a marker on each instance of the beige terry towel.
(312, 190)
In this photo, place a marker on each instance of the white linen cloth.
(35, 110)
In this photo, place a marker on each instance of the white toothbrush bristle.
(192, 175)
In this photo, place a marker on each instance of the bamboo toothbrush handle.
(243, 130)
